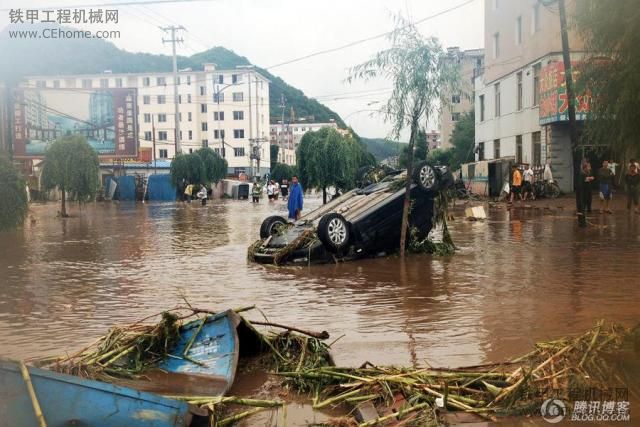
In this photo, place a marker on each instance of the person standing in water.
(295, 199)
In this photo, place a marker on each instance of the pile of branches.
(304, 240)
(424, 244)
(511, 388)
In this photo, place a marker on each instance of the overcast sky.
(269, 32)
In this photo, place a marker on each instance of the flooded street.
(519, 277)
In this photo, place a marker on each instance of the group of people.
(202, 194)
(292, 193)
(605, 178)
(522, 182)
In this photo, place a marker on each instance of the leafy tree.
(440, 156)
(274, 150)
(13, 208)
(326, 158)
(382, 148)
(282, 171)
(71, 165)
(610, 30)
(420, 152)
(463, 140)
(187, 169)
(420, 73)
(215, 167)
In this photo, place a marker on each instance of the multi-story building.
(4, 120)
(227, 110)
(523, 44)
(288, 135)
(433, 140)
(470, 64)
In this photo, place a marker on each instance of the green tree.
(13, 208)
(215, 167)
(611, 33)
(188, 169)
(420, 73)
(282, 171)
(440, 156)
(420, 152)
(274, 150)
(71, 165)
(463, 140)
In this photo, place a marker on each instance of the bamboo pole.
(32, 394)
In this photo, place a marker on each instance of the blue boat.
(67, 400)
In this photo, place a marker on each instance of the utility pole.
(153, 138)
(283, 105)
(173, 40)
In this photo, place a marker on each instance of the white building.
(287, 136)
(217, 108)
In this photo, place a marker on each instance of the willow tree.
(13, 194)
(71, 165)
(215, 167)
(421, 73)
(611, 33)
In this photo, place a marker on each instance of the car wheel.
(333, 232)
(425, 177)
(272, 225)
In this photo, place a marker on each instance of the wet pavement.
(519, 277)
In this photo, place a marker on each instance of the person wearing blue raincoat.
(295, 199)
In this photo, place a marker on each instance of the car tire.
(271, 225)
(424, 176)
(334, 232)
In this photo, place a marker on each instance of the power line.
(357, 42)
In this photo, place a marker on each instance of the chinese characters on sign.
(63, 16)
(554, 103)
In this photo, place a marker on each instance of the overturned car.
(363, 222)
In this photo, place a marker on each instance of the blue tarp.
(126, 188)
(160, 188)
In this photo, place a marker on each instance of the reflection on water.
(518, 277)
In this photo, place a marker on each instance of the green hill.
(382, 148)
(24, 57)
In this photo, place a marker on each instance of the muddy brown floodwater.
(518, 278)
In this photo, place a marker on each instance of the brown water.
(519, 277)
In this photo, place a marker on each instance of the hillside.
(382, 148)
(85, 56)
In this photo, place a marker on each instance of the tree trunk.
(63, 211)
(324, 195)
(407, 187)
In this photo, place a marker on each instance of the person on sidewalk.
(583, 192)
(528, 183)
(271, 189)
(588, 188)
(284, 189)
(632, 179)
(605, 178)
(295, 199)
(256, 192)
(516, 183)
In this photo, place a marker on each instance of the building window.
(56, 84)
(190, 150)
(205, 143)
(180, 117)
(190, 135)
(179, 99)
(519, 30)
(189, 80)
(188, 98)
(238, 151)
(238, 115)
(86, 83)
(238, 133)
(481, 99)
(496, 89)
(164, 153)
(481, 151)
(455, 99)
(496, 148)
(217, 134)
(205, 126)
(146, 81)
(146, 99)
(147, 118)
(216, 150)
(118, 82)
(535, 18)
(455, 117)
(536, 149)
(41, 84)
(234, 78)
(218, 115)
(147, 136)
(218, 97)
(238, 96)
(536, 84)
(189, 116)
(203, 90)
(104, 83)
(203, 108)
(496, 45)
(162, 135)
(220, 79)
(518, 149)
(162, 118)
(519, 91)
(162, 99)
